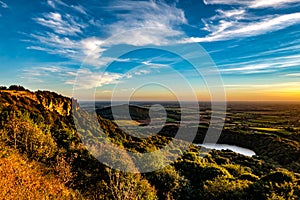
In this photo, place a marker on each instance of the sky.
(144, 50)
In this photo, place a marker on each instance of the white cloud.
(236, 13)
(293, 75)
(253, 3)
(279, 86)
(92, 47)
(83, 78)
(153, 65)
(227, 2)
(145, 22)
(255, 66)
(57, 3)
(87, 79)
(272, 3)
(3, 4)
(139, 23)
(141, 72)
(54, 3)
(247, 68)
(39, 74)
(65, 25)
(57, 45)
(79, 8)
(53, 40)
(231, 29)
(51, 3)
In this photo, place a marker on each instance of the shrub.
(26, 136)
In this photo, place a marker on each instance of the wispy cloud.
(242, 21)
(87, 79)
(279, 86)
(3, 4)
(138, 23)
(65, 25)
(261, 66)
(254, 3)
(55, 3)
(272, 3)
(145, 22)
(151, 64)
(79, 8)
(293, 75)
(39, 74)
(246, 69)
(236, 13)
(232, 29)
(83, 78)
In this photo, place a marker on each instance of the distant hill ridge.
(137, 113)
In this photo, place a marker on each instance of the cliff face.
(54, 102)
(36, 101)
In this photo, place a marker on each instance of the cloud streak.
(232, 29)
(253, 3)
(257, 66)
(3, 4)
(293, 75)
(64, 25)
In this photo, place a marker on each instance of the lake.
(237, 149)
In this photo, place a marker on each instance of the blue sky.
(253, 43)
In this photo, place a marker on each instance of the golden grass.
(23, 179)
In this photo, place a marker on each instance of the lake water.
(241, 150)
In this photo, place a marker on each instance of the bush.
(26, 136)
(213, 171)
(126, 186)
(168, 182)
(236, 170)
(278, 177)
(222, 188)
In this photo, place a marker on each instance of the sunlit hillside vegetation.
(42, 157)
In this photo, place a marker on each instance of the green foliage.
(126, 186)
(169, 183)
(26, 136)
(236, 170)
(224, 188)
